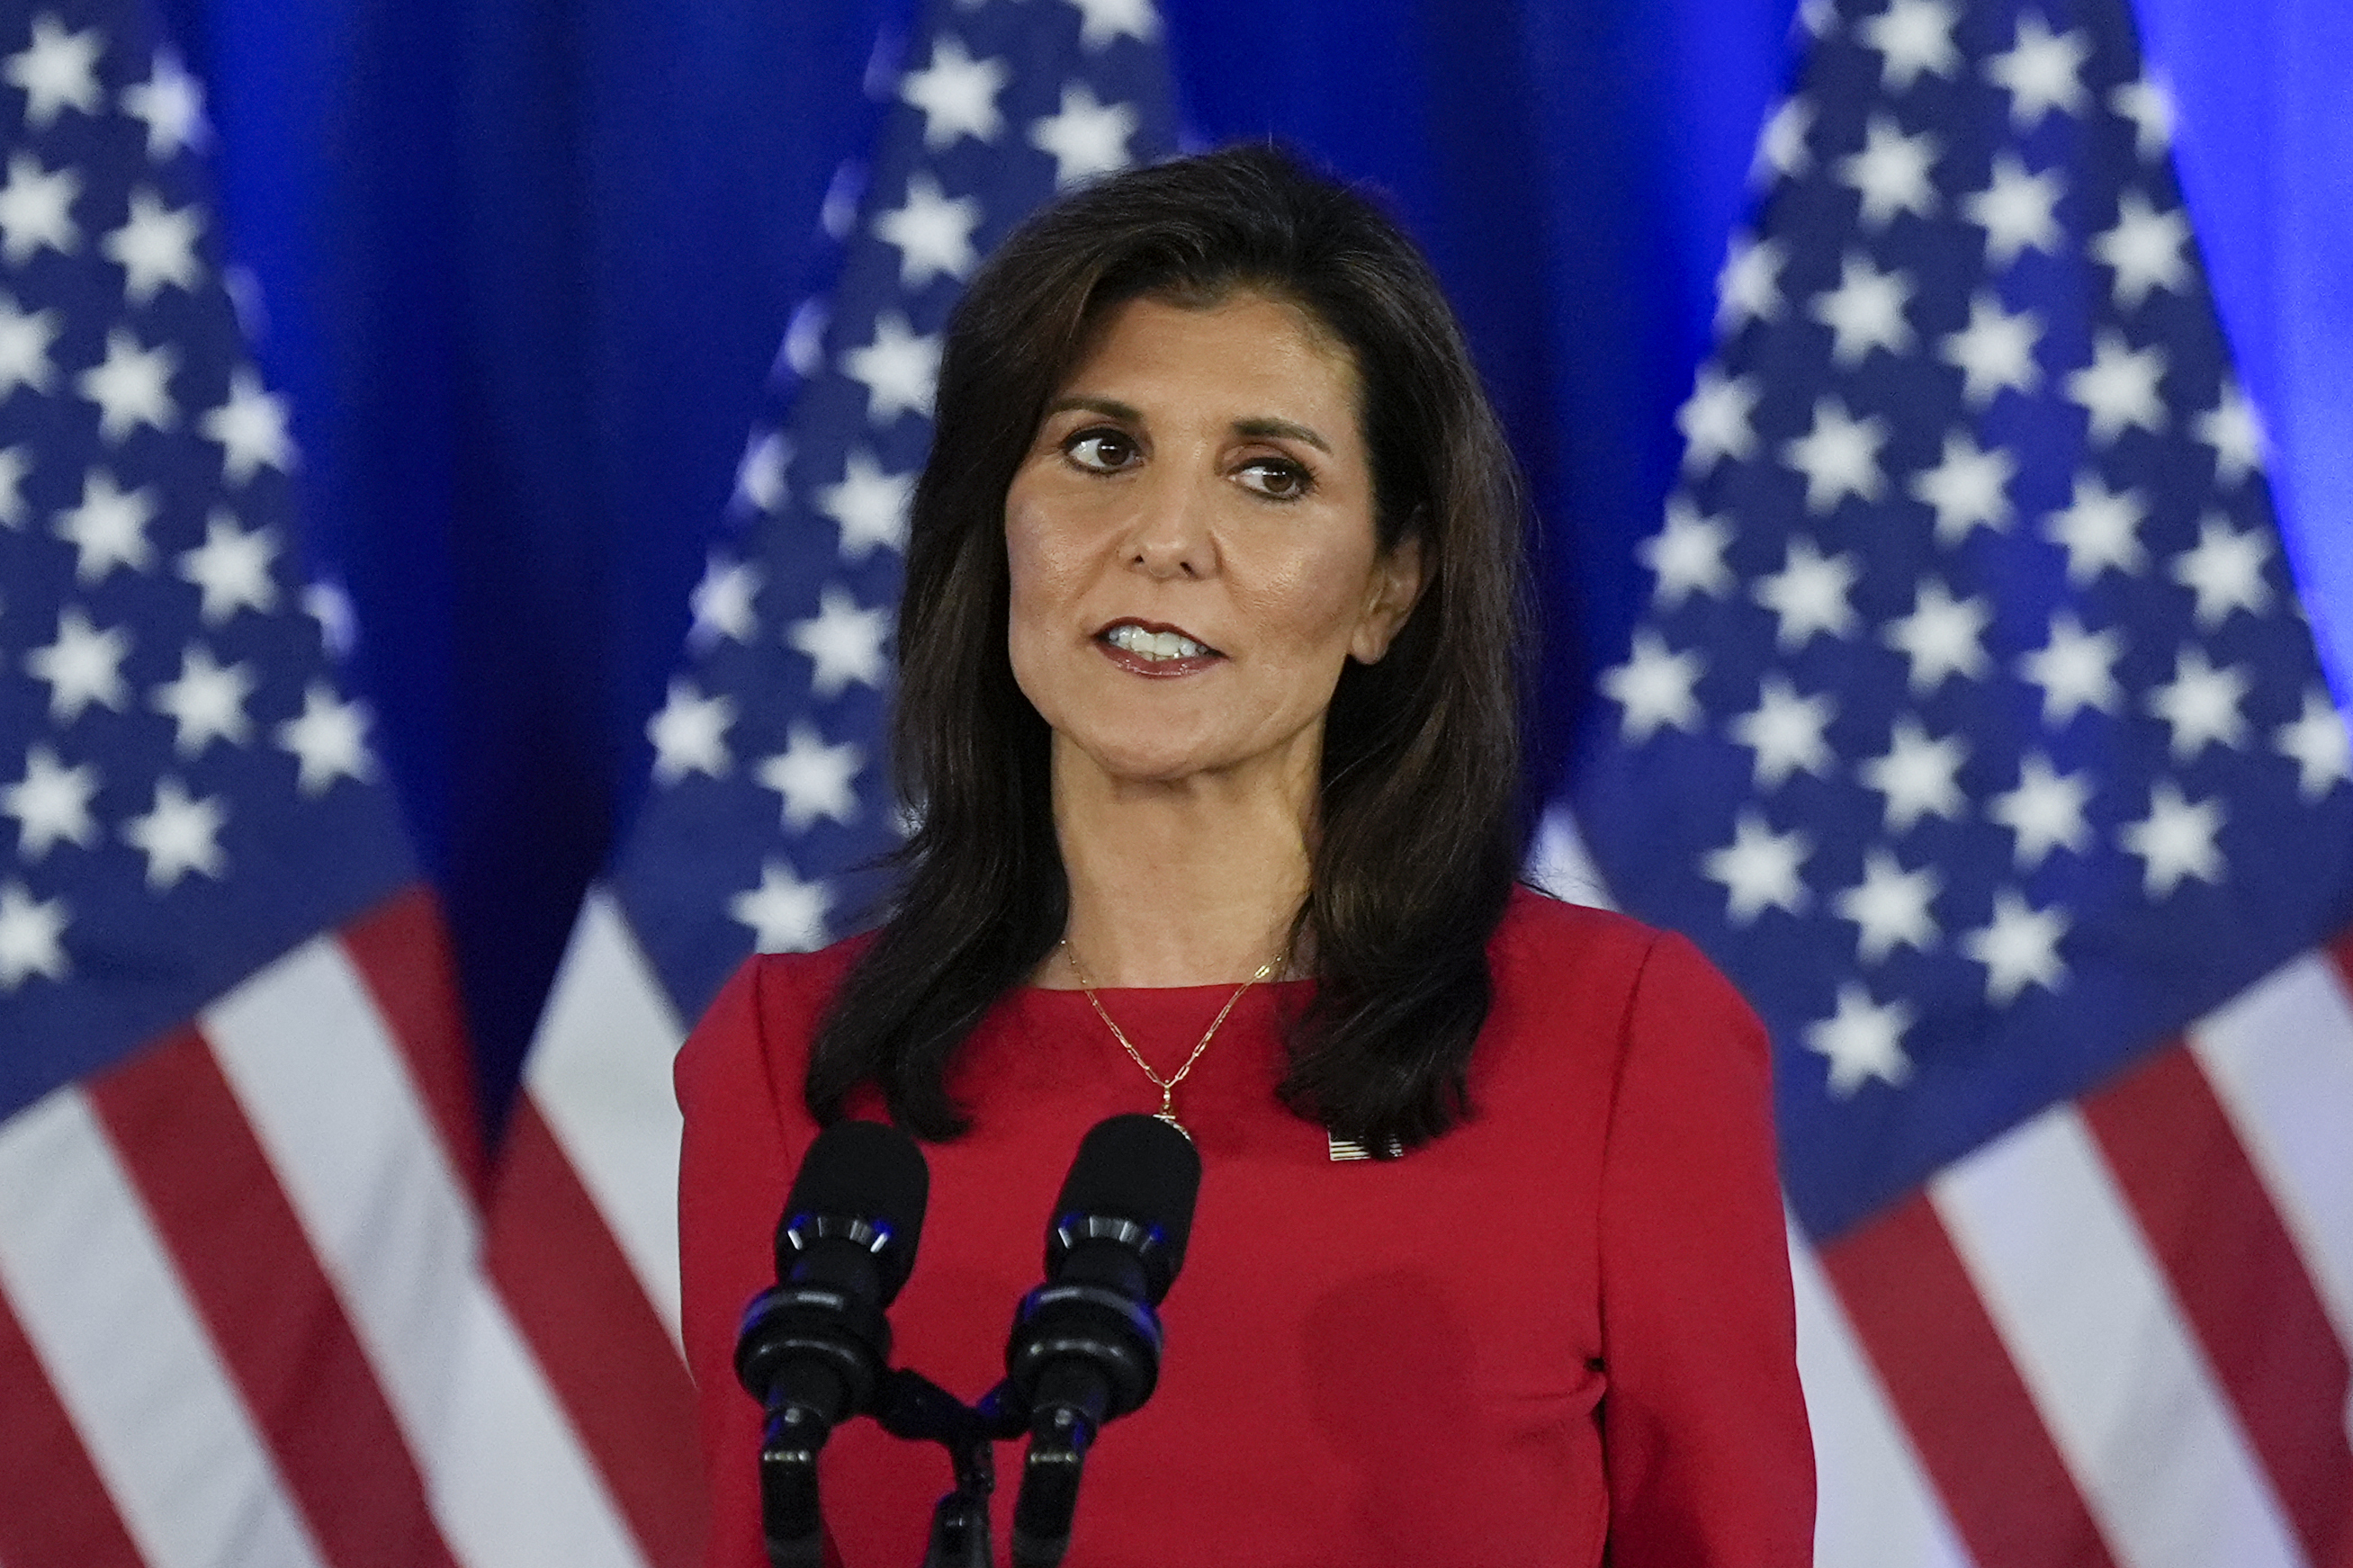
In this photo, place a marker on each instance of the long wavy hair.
(1420, 810)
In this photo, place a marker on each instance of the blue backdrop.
(522, 271)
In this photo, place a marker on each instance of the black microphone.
(1086, 1344)
(814, 1347)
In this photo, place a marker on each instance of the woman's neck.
(1191, 883)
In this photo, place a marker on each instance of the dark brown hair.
(1420, 816)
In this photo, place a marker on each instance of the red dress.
(1560, 1331)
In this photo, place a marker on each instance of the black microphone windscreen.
(1139, 1168)
(865, 1171)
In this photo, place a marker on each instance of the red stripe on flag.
(401, 949)
(1959, 1393)
(2240, 1282)
(53, 1507)
(2340, 951)
(272, 1314)
(600, 1341)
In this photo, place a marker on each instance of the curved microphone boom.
(1086, 1344)
(814, 1347)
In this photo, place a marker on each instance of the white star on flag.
(1914, 35)
(722, 603)
(250, 429)
(2149, 107)
(108, 529)
(900, 370)
(1995, 351)
(128, 386)
(178, 835)
(1943, 637)
(1918, 776)
(171, 104)
(843, 641)
(1086, 139)
(206, 703)
(29, 933)
(870, 505)
(2176, 839)
(1748, 285)
(760, 472)
(328, 739)
(1781, 144)
(1863, 1041)
(57, 72)
(25, 338)
(51, 804)
(785, 914)
(690, 734)
(933, 233)
(2232, 428)
(2016, 210)
(2075, 669)
(1102, 21)
(1809, 595)
(2045, 812)
(1891, 172)
(154, 247)
(957, 96)
(1759, 869)
(1687, 554)
(1890, 906)
(1865, 311)
(1784, 731)
(2144, 249)
(813, 778)
(2202, 705)
(2119, 388)
(2042, 72)
(2225, 571)
(231, 569)
(2320, 745)
(1970, 488)
(1839, 456)
(34, 210)
(82, 666)
(1715, 419)
(2100, 530)
(2019, 948)
(1654, 687)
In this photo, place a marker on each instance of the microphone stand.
(913, 1407)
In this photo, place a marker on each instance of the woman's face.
(1191, 545)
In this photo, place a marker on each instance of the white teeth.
(1134, 640)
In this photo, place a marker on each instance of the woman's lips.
(1151, 649)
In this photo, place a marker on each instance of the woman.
(1207, 694)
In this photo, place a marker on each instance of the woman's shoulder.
(1553, 946)
(772, 1003)
(1541, 928)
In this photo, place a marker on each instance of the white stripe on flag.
(1559, 863)
(189, 1473)
(2280, 1058)
(330, 1098)
(2087, 1317)
(1875, 1507)
(599, 1072)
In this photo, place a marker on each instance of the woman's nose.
(1171, 536)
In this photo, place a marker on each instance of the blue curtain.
(522, 271)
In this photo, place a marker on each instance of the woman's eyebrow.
(1283, 429)
(1109, 407)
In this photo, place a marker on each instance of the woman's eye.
(1277, 479)
(1099, 451)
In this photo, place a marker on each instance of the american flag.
(769, 797)
(1974, 729)
(239, 1170)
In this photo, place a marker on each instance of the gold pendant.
(1165, 1114)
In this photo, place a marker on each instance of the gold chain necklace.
(1168, 1086)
